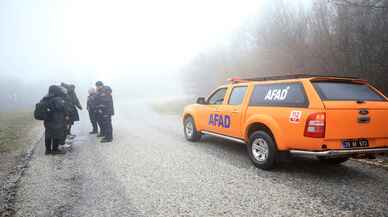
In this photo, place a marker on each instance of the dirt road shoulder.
(18, 135)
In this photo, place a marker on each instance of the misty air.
(193, 108)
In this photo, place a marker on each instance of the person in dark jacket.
(97, 111)
(55, 125)
(73, 102)
(91, 107)
(105, 109)
(69, 107)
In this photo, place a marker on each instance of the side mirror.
(201, 101)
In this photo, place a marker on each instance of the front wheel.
(262, 150)
(190, 130)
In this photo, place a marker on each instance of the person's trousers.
(93, 120)
(99, 119)
(69, 124)
(107, 128)
(51, 142)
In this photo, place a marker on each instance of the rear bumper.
(344, 152)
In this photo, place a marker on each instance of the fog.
(137, 47)
(157, 49)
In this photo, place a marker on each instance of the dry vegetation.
(343, 37)
(17, 130)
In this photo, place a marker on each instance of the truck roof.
(297, 76)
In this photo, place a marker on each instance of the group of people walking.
(59, 110)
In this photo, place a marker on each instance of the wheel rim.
(260, 149)
(189, 128)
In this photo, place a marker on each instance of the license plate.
(355, 143)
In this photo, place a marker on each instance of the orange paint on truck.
(332, 118)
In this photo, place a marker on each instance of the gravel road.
(150, 170)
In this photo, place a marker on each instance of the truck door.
(210, 111)
(232, 112)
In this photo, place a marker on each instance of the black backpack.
(42, 110)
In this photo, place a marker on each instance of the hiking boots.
(106, 140)
(57, 151)
(67, 145)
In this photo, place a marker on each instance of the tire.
(262, 150)
(333, 161)
(190, 130)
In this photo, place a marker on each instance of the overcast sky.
(121, 42)
(101, 39)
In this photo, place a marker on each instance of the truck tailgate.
(351, 120)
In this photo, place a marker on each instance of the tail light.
(316, 125)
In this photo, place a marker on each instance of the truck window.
(279, 94)
(237, 95)
(217, 97)
(346, 91)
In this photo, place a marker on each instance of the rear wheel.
(190, 130)
(262, 150)
(337, 160)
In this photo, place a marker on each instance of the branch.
(353, 4)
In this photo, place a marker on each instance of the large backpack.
(42, 110)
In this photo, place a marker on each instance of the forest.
(333, 37)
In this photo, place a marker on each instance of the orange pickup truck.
(332, 118)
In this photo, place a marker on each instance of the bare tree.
(346, 37)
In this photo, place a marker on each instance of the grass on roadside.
(15, 130)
